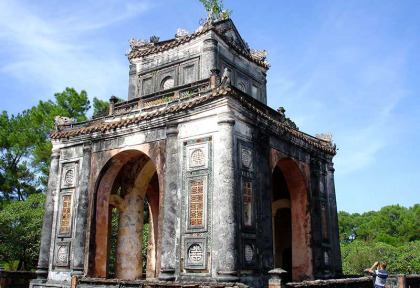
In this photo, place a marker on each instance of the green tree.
(25, 147)
(68, 103)
(215, 7)
(390, 234)
(20, 227)
(99, 105)
(17, 138)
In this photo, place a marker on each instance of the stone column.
(170, 205)
(209, 61)
(316, 221)
(265, 222)
(227, 216)
(82, 212)
(132, 82)
(334, 235)
(44, 251)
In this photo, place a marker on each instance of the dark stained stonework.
(229, 181)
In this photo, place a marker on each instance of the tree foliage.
(215, 7)
(391, 234)
(25, 151)
(99, 105)
(25, 148)
(20, 226)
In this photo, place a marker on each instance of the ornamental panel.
(197, 156)
(62, 254)
(195, 253)
(65, 213)
(247, 203)
(246, 158)
(69, 175)
(197, 204)
(249, 253)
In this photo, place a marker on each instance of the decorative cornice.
(194, 101)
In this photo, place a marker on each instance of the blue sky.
(350, 68)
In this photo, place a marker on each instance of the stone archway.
(291, 220)
(124, 183)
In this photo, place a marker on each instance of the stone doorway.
(126, 183)
(282, 223)
(290, 220)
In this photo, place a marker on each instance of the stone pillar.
(316, 221)
(82, 212)
(44, 251)
(132, 82)
(334, 235)
(112, 102)
(227, 217)
(277, 276)
(264, 89)
(209, 61)
(264, 195)
(170, 205)
(129, 261)
(214, 78)
(401, 281)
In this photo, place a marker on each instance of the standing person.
(380, 273)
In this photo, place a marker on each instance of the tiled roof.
(166, 45)
(103, 127)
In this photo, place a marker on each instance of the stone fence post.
(276, 280)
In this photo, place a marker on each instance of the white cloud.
(62, 46)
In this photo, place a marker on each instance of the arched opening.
(291, 221)
(282, 223)
(127, 208)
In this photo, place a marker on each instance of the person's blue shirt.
(381, 276)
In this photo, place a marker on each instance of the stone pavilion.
(232, 188)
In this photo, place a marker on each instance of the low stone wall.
(412, 281)
(362, 282)
(15, 279)
(111, 283)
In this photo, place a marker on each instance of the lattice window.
(324, 222)
(196, 203)
(247, 199)
(65, 214)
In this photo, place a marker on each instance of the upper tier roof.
(225, 29)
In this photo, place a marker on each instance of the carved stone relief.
(69, 175)
(197, 156)
(195, 253)
(248, 253)
(246, 158)
(62, 254)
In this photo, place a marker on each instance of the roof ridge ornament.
(181, 33)
(324, 136)
(134, 43)
(285, 120)
(154, 39)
